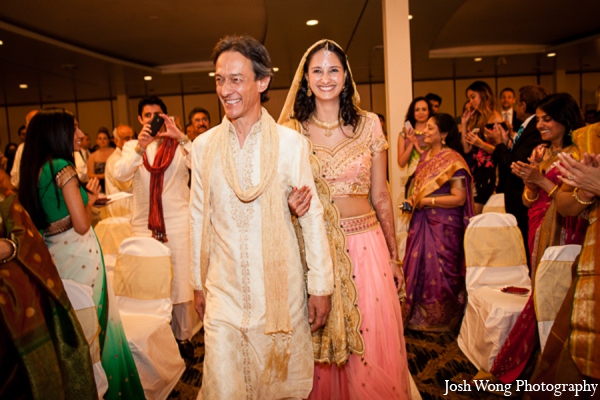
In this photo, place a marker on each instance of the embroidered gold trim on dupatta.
(341, 334)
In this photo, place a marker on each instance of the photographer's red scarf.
(164, 158)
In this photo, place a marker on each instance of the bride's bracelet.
(397, 262)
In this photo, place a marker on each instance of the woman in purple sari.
(442, 203)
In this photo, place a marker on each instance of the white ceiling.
(73, 50)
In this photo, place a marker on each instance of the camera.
(406, 207)
(156, 123)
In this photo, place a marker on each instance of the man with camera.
(158, 163)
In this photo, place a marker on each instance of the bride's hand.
(299, 201)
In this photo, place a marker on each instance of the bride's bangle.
(397, 262)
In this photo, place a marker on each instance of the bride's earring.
(309, 92)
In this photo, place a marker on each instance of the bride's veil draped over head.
(299, 83)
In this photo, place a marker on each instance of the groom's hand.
(318, 310)
(199, 303)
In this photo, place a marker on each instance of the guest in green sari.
(43, 350)
(62, 210)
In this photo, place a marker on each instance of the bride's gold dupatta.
(341, 334)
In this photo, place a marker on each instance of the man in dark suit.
(509, 115)
(526, 139)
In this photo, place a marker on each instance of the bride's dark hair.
(305, 105)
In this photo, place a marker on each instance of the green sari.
(79, 258)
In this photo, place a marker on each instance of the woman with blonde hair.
(479, 116)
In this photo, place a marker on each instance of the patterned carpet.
(188, 386)
(433, 358)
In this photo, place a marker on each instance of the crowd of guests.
(283, 239)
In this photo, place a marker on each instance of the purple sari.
(434, 262)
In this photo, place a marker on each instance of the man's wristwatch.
(183, 141)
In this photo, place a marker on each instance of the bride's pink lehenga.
(383, 371)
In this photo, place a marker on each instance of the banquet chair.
(85, 309)
(552, 282)
(495, 258)
(142, 284)
(111, 232)
(495, 204)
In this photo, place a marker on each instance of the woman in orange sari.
(571, 355)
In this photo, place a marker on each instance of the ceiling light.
(477, 59)
(275, 69)
(551, 55)
(1, 42)
(312, 22)
(211, 74)
(410, 17)
(23, 86)
(147, 78)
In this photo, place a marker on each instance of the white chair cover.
(552, 282)
(83, 304)
(142, 284)
(495, 253)
(495, 258)
(495, 204)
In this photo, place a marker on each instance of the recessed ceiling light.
(410, 17)
(1, 42)
(147, 78)
(211, 74)
(312, 22)
(551, 55)
(477, 59)
(275, 69)
(23, 86)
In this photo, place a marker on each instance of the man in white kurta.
(122, 207)
(175, 200)
(233, 299)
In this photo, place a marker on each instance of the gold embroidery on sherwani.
(242, 214)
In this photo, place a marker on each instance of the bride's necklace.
(327, 126)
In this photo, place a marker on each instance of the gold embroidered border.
(64, 175)
(341, 335)
(60, 226)
(88, 319)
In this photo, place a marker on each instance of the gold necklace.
(552, 153)
(327, 126)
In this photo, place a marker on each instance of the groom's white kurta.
(234, 323)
